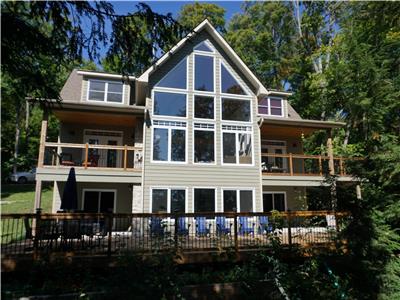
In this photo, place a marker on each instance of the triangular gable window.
(176, 78)
(203, 47)
(229, 84)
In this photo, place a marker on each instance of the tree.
(264, 37)
(192, 15)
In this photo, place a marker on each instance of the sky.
(164, 7)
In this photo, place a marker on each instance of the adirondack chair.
(201, 226)
(222, 229)
(182, 230)
(156, 227)
(245, 227)
(265, 226)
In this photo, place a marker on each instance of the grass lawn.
(20, 198)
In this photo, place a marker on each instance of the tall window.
(238, 200)
(229, 84)
(203, 73)
(169, 104)
(274, 201)
(204, 146)
(105, 91)
(271, 106)
(204, 200)
(236, 145)
(168, 200)
(176, 78)
(236, 110)
(169, 141)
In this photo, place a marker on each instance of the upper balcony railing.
(87, 156)
(302, 165)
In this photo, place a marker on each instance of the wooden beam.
(329, 145)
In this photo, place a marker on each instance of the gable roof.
(206, 25)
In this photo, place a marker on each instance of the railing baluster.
(320, 164)
(86, 155)
(291, 164)
(125, 156)
(235, 226)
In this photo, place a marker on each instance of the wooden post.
(36, 233)
(330, 153)
(320, 165)
(125, 156)
(289, 229)
(341, 166)
(86, 155)
(235, 228)
(358, 192)
(38, 195)
(109, 225)
(291, 164)
(43, 134)
(176, 233)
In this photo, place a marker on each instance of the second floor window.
(237, 145)
(169, 104)
(105, 91)
(271, 106)
(236, 110)
(204, 151)
(169, 141)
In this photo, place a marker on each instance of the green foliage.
(192, 15)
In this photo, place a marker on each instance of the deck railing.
(303, 165)
(92, 156)
(114, 234)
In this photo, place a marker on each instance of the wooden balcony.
(91, 156)
(304, 165)
(117, 234)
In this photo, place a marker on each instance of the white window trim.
(236, 132)
(208, 43)
(215, 144)
(233, 121)
(168, 188)
(105, 100)
(163, 88)
(181, 92)
(238, 190)
(273, 204)
(169, 128)
(208, 188)
(99, 190)
(245, 89)
(194, 112)
(269, 107)
(194, 72)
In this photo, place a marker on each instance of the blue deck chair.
(245, 226)
(221, 226)
(265, 226)
(182, 230)
(201, 226)
(156, 227)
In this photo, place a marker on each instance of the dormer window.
(271, 107)
(105, 91)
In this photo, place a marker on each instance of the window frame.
(169, 128)
(209, 54)
(236, 145)
(238, 99)
(273, 198)
(227, 95)
(105, 100)
(157, 90)
(99, 191)
(168, 188)
(171, 89)
(208, 43)
(215, 143)
(238, 190)
(205, 188)
(194, 109)
(269, 108)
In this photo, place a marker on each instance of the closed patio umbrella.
(69, 199)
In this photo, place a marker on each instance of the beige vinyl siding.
(194, 175)
(72, 88)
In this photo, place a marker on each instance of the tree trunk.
(17, 135)
(27, 115)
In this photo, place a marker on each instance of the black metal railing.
(114, 234)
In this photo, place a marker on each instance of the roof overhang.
(104, 75)
(295, 128)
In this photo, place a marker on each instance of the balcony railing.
(92, 156)
(302, 165)
(114, 234)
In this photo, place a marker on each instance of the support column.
(329, 146)
(43, 134)
(358, 192)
